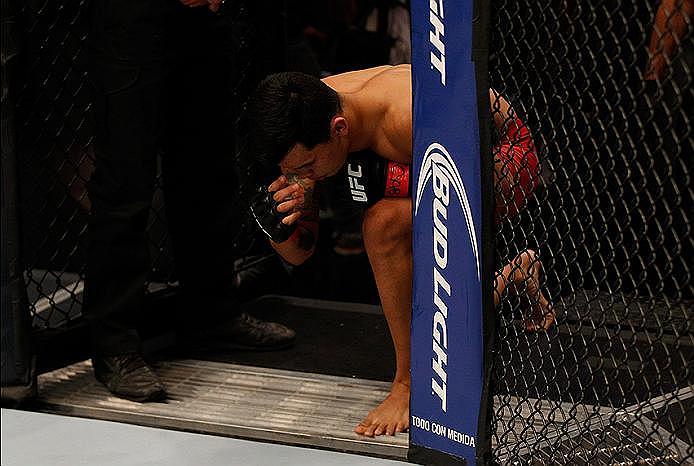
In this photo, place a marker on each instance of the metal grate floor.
(238, 401)
(320, 411)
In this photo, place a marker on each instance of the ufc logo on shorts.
(358, 190)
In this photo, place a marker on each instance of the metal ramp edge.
(237, 401)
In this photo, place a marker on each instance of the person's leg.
(198, 170)
(120, 190)
(200, 183)
(126, 70)
(523, 274)
(516, 176)
(387, 232)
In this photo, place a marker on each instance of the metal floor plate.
(316, 410)
(238, 401)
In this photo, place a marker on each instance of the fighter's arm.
(296, 202)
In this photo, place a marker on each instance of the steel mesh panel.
(607, 218)
(53, 136)
(55, 130)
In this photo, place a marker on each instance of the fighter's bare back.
(381, 97)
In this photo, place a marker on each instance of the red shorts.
(517, 169)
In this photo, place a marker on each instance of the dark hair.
(286, 109)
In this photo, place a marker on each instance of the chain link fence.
(53, 136)
(55, 132)
(601, 229)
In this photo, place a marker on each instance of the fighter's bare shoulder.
(380, 77)
(394, 89)
(389, 89)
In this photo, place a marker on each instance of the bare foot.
(526, 278)
(391, 416)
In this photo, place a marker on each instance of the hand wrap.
(264, 211)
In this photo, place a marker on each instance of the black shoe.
(128, 376)
(244, 332)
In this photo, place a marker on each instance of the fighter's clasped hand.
(290, 193)
(277, 208)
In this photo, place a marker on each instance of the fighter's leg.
(516, 162)
(387, 232)
(516, 176)
(523, 275)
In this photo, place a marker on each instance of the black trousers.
(165, 78)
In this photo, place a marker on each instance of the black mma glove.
(370, 178)
(264, 211)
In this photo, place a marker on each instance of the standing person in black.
(166, 77)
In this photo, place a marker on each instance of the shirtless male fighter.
(309, 127)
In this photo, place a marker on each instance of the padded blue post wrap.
(447, 343)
